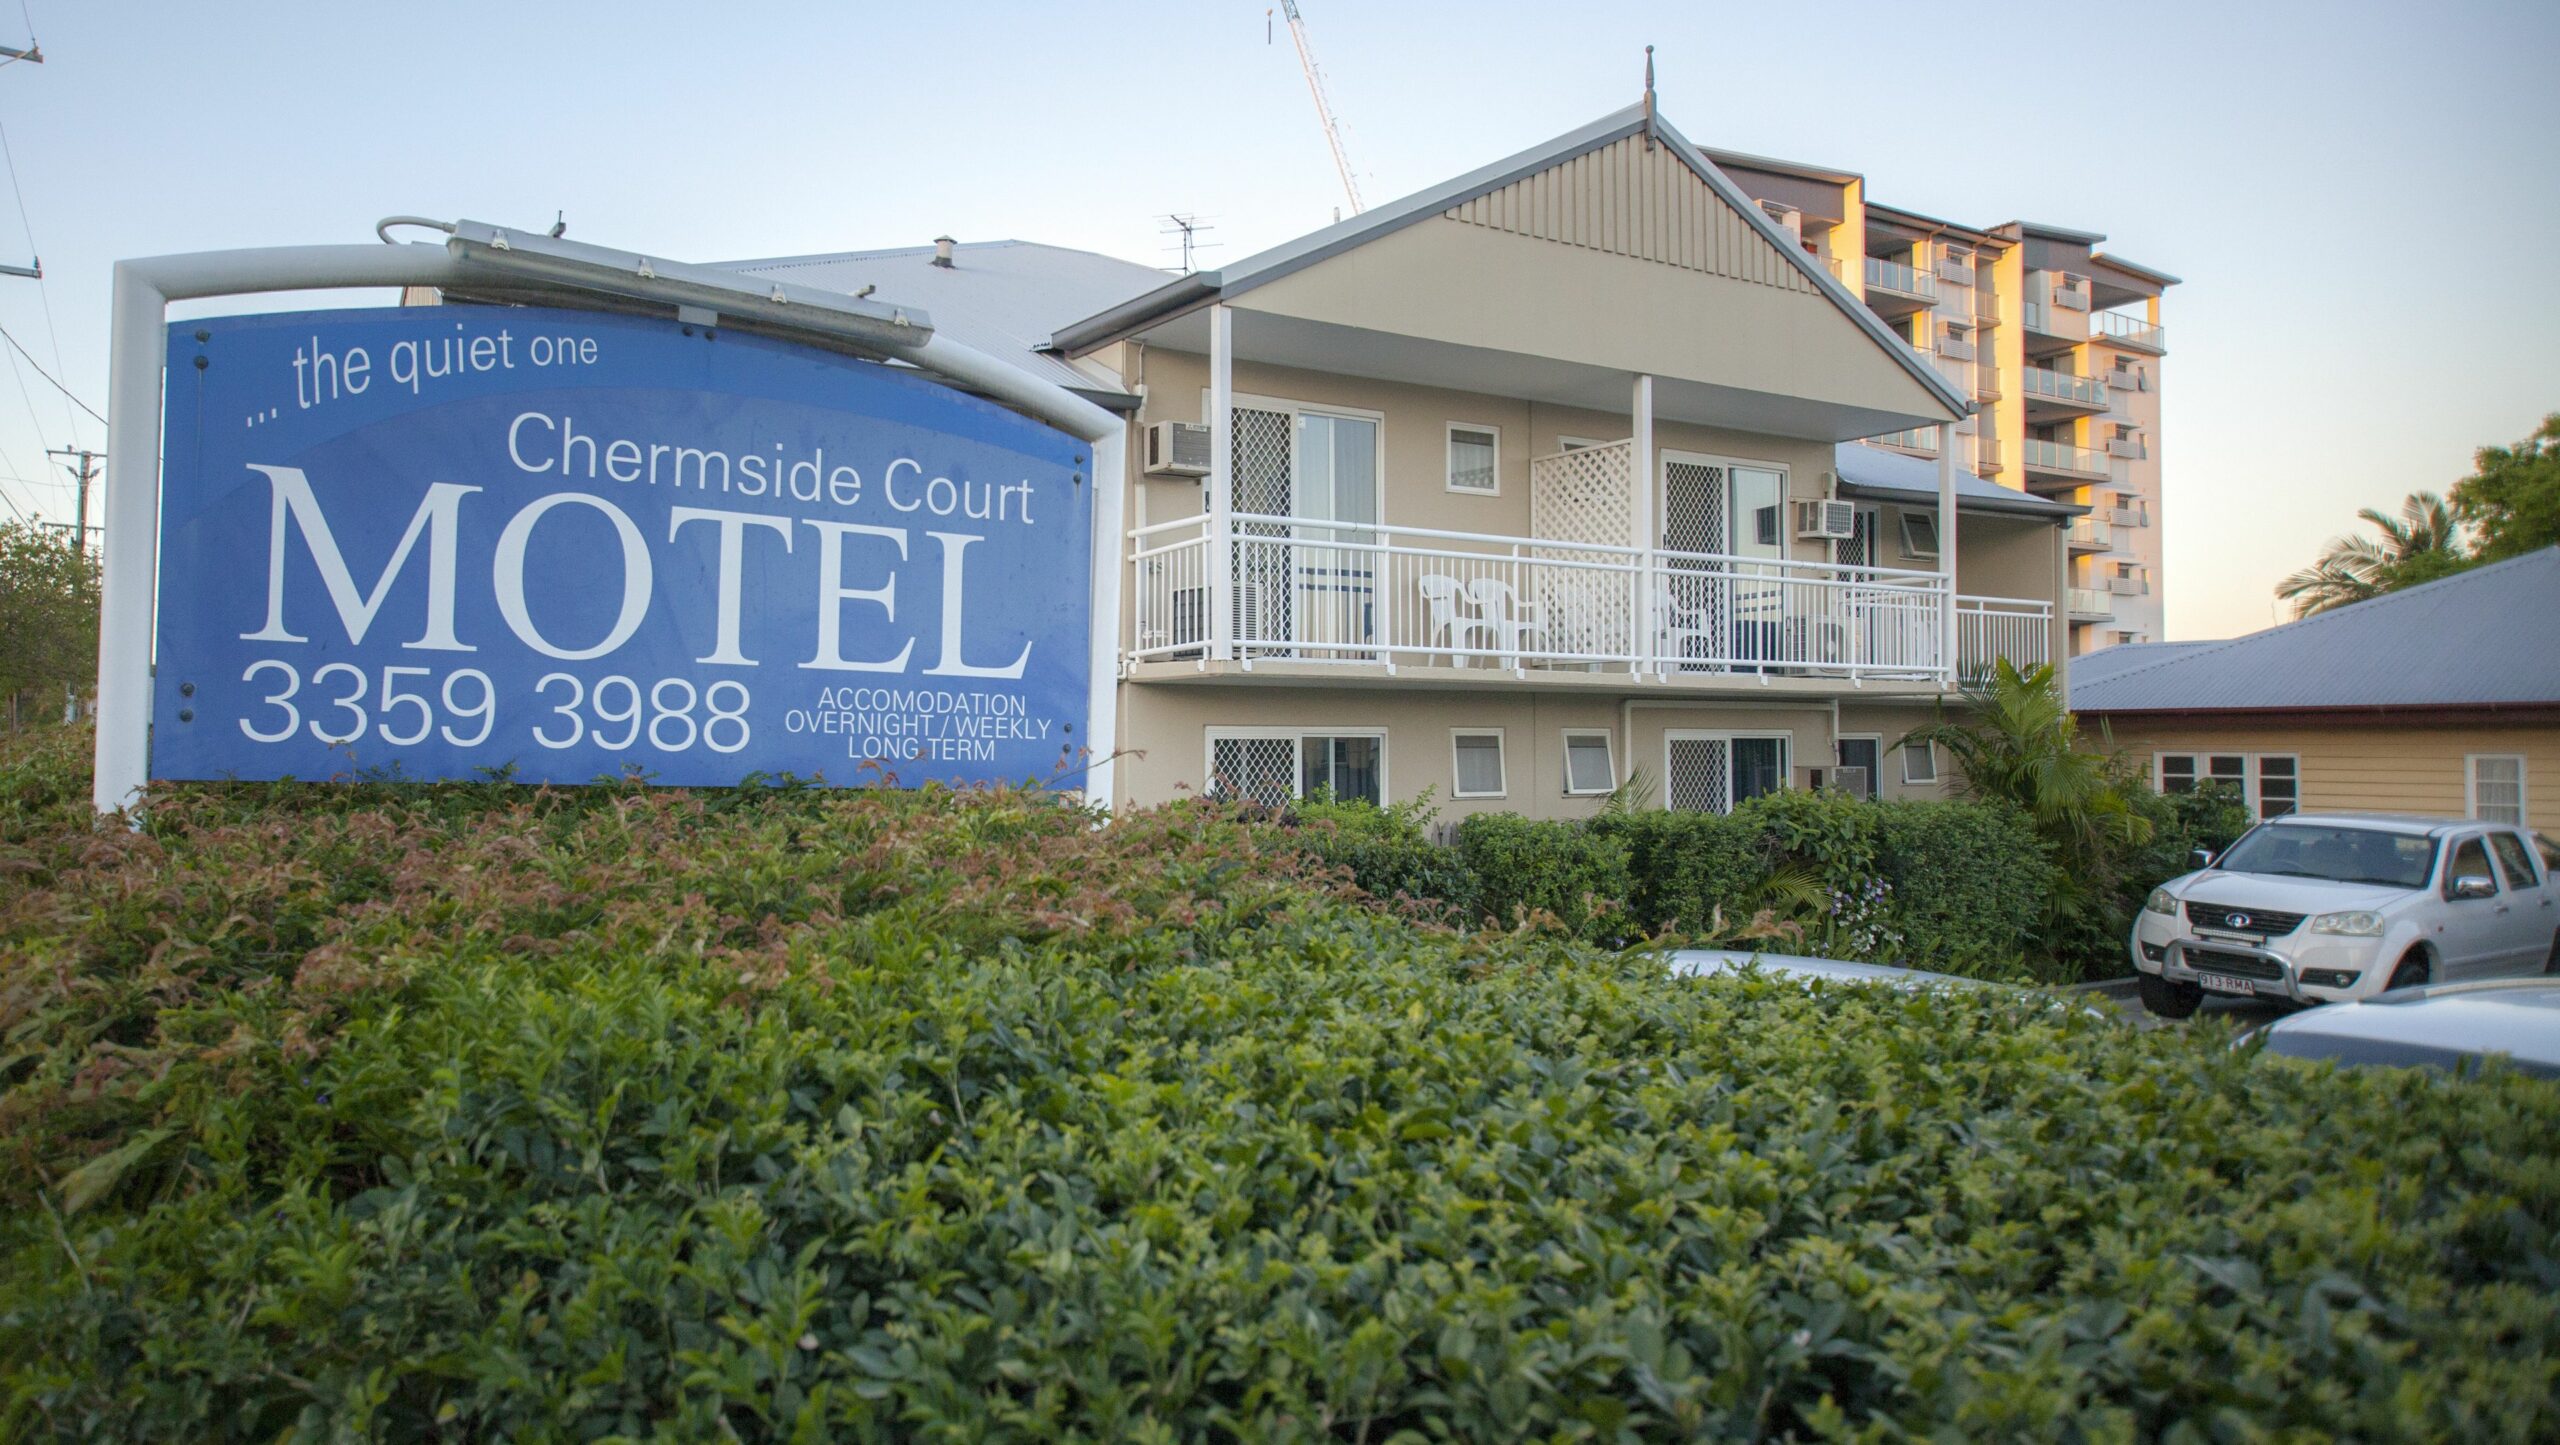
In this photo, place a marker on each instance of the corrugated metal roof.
(1001, 297)
(1892, 477)
(2482, 638)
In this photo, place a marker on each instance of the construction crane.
(1324, 107)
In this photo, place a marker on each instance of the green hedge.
(488, 1113)
(1524, 869)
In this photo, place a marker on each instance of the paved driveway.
(2238, 1013)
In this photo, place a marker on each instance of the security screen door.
(1712, 772)
(1260, 562)
(1726, 609)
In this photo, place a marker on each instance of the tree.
(2019, 743)
(48, 617)
(2512, 497)
(2422, 544)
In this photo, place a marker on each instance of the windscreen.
(2338, 854)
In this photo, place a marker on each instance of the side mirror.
(2201, 858)
(2474, 885)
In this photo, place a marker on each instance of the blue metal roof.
(2482, 638)
(1892, 477)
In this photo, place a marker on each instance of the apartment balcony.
(1918, 441)
(1986, 456)
(2089, 604)
(1955, 347)
(1352, 601)
(2129, 516)
(1986, 307)
(1956, 270)
(1991, 628)
(1986, 382)
(2061, 393)
(2132, 449)
(2129, 333)
(1894, 289)
(2129, 586)
(2063, 462)
(2091, 534)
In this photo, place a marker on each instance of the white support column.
(1110, 473)
(1222, 476)
(1947, 543)
(1640, 477)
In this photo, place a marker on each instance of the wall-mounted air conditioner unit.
(1828, 521)
(1177, 449)
(1852, 781)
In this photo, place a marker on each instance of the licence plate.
(2225, 983)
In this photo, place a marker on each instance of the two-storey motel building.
(1559, 474)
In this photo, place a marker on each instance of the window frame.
(1608, 750)
(1786, 741)
(1213, 735)
(1449, 466)
(2453, 870)
(1928, 749)
(1906, 516)
(1257, 401)
(2500, 840)
(2252, 778)
(2471, 789)
(1458, 775)
(1875, 775)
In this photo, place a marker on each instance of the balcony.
(2091, 534)
(1895, 287)
(2044, 386)
(2089, 604)
(1918, 440)
(1413, 600)
(1986, 456)
(2061, 461)
(2129, 516)
(2132, 449)
(2130, 333)
(1986, 307)
(1990, 628)
(1956, 270)
(2129, 586)
(1957, 347)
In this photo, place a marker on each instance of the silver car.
(2320, 908)
(2450, 1026)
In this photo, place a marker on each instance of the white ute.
(2313, 908)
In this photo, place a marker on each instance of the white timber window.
(2270, 784)
(1475, 459)
(1589, 766)
(1276, 766)
(2494, 787)
(1476, 754)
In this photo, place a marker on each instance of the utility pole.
(85, 472)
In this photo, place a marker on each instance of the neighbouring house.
(1510, 489)
(2443, 699)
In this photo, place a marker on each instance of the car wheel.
(2169, 1000)
(2412, 972)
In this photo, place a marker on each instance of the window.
(2515, 860)
(1864, 753)
(1714, 772)
(1920, 764)
(1475, 454)
(1588, 767)
(1919, 534)
(2496, 787)
(1577, 444)
(2470, 860)
(1275, 767)
(2270, 784)
(1478, 756)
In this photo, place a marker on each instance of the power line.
(44, 293)
(48, 376)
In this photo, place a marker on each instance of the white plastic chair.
(1512, 620)
(1445, 597)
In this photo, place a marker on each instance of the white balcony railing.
(2090, 603)
(1308, 590)
(1901, 280)
(1989, 628)
(2131, 331)
(2046, 384)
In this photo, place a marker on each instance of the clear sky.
(2360, 196)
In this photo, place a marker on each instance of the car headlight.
(2161, 901)
(2361, 923)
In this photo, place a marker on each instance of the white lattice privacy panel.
(1698, 775)
(1258, 770)
(1262, 487)
(1587, 495)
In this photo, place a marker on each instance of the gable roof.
(2476, 639)
(1001, 297)
(1293, 256)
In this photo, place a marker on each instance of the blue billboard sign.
(464, 541)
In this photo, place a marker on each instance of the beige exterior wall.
(2395, 768)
